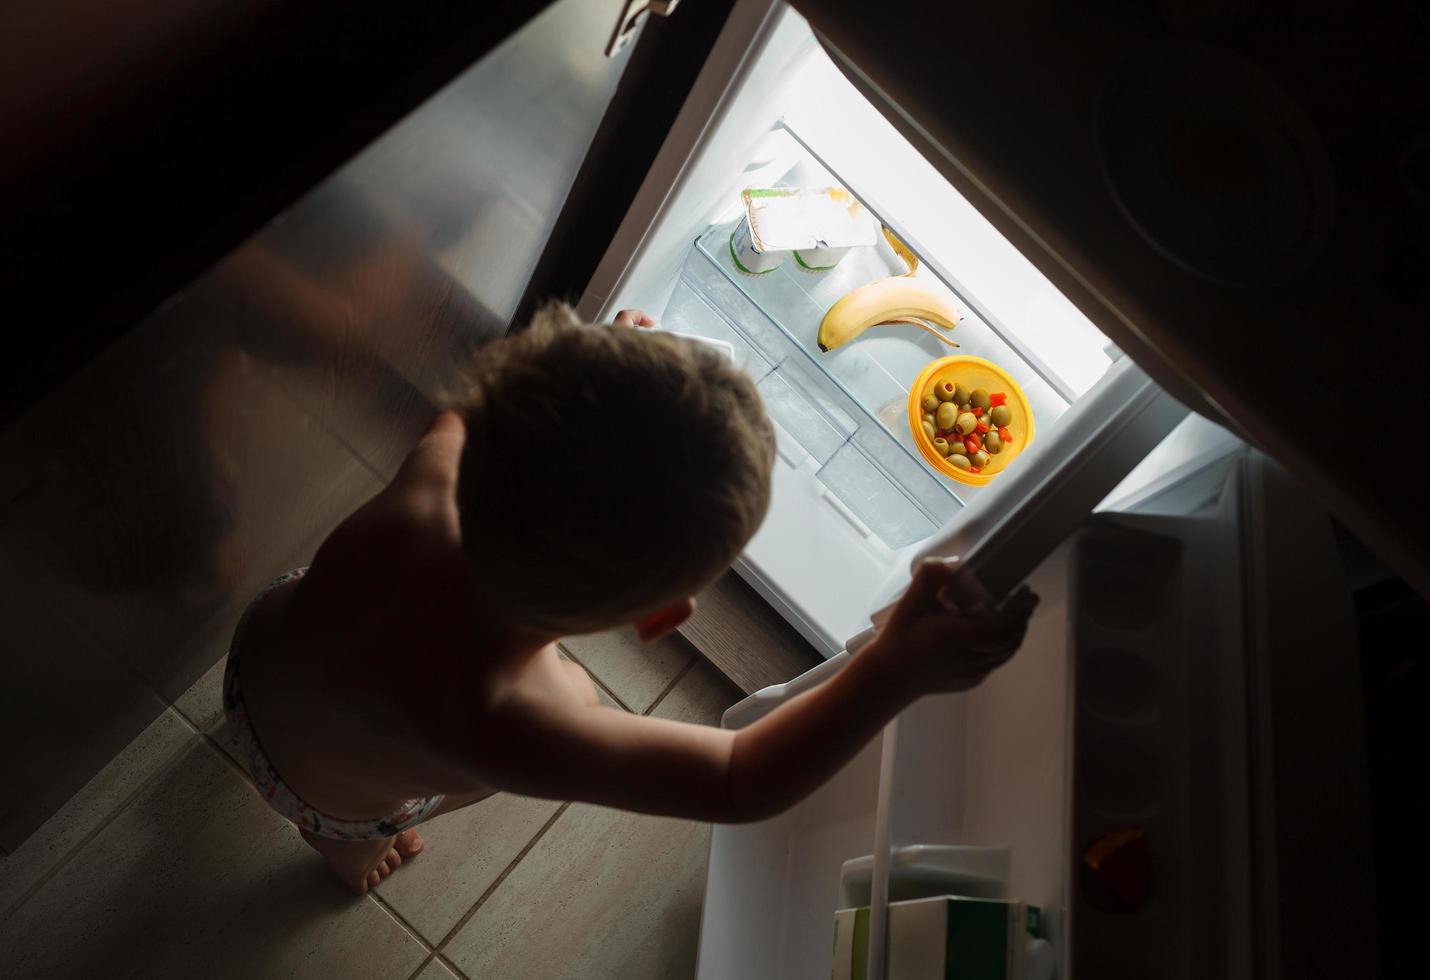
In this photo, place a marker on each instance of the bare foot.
(361, 864)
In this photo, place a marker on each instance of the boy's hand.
(929, 645)
(634, 318)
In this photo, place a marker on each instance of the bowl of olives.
(969, 418)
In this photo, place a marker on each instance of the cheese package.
(816, 228)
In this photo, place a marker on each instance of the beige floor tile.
(469, 849)
(437, 970)
(603, 893)
(90, 807)
(466, 851)
(601, 692)
(202, 704)
(223, 738)
(635, 672)
(198, 878)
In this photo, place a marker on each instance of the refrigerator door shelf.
(771, 887)
(925, 870)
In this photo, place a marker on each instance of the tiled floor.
(167, 864)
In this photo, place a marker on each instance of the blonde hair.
(607, 471)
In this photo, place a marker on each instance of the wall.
(214, 446)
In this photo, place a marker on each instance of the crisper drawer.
(857, 456)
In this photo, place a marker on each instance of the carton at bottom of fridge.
(947, 938)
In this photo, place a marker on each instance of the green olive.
(1000, 414)
(958, 448)
(979, 398)
(993, 442)
(960, 462)
(929, 430)
(960, 394)
(943, 390)
(942, 446)
(947, 415)
(965, 407)
(930, 402)
(967, 423)
(929, 418)
(979, 459)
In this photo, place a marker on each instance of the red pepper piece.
(1004, 434)
(998, 398)
(972, 443)
(975, 469)
(977, 412)
(982, 426)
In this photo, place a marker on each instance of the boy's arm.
(659, 766)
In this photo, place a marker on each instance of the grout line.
(456, 970)
(592, 674)
(402, 923)
(422, 966)
(501, 877)
(671, 686)
(185, 721)
(185, 718)
(212, 744)
(98, 828)
(438, 958)
(327, 430)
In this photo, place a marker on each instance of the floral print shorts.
(280, 795)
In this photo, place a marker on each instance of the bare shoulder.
(414, 518)
(433, 462)
(540, 698)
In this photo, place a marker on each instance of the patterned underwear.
(274, 790)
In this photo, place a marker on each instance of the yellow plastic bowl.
(972, 372)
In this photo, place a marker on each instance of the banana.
(897, 299)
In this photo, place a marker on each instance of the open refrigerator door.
(1129, 773)
(855, 496)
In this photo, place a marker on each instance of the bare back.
(367, 679)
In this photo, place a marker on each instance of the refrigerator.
(1179, 568)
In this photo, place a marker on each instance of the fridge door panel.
(772, 887)
(709, 144)
(1227, 266)
(1310, 812)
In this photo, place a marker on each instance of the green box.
(943, 938)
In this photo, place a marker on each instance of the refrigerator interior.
(851, 491)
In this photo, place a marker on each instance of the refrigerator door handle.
(964, 591)
(632, 13)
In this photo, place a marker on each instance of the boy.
(597, 476)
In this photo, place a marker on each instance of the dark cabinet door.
(144, 140)
(1237, 194)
